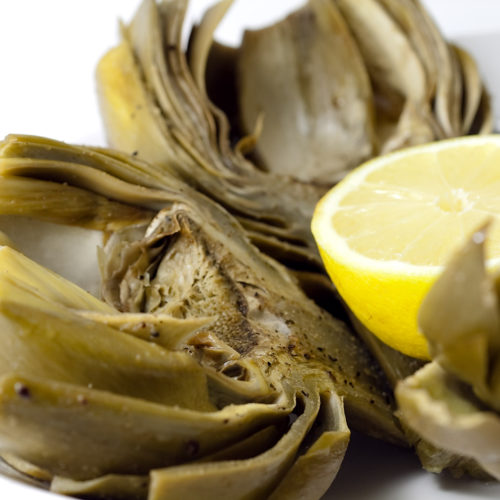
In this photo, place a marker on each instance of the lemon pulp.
(387, 229)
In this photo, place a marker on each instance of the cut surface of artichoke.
(206, 343)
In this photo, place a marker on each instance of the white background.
(49, 49)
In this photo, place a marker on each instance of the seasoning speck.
(22, 390)
(192, 448)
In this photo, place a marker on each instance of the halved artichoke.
(209, 364)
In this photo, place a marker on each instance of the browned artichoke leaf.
(460, 319)
(306, 76)
(444, 411)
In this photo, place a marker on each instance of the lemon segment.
(386, 230)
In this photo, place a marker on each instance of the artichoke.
(206, 363)
(153, 107)
(340, 81)
(453, 402)
(208, 371)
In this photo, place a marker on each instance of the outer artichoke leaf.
(460, 318)
(132, 121)
(410, 19)
(14, 265)
(311, 475)
(401, 86)
(47, 339)
(448, 97)
(63, 204)
(115, 486)
(124, 167)
(242, 479)
(201, 42)
(24, 468)
(306, 76)
(166, 331)
(443, 410)
(83, 433)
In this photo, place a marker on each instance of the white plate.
(49, 51)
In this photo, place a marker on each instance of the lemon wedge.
(386, 230)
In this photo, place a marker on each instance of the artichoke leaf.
(115, 486)
(443, 410)
(62, 204)
(448, 96)
(409, 18)
(472, 86)
(255, 477)
(44, 422)
(306, 76)
(461, 321)
(311, 475)
(397, 73)
(45, 338)
(166, 331)
(109, 161)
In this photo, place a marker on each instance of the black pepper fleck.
(192, 448)
(22, 390)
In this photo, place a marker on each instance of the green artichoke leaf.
(260, 476)
(44, 422)
(115, 486)
(45, 338)
(56, 202)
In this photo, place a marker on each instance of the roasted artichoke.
(454, 401)
(208, 371)
(208, 350)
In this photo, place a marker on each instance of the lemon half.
(386, 230)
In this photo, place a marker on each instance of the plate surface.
(49, 51)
